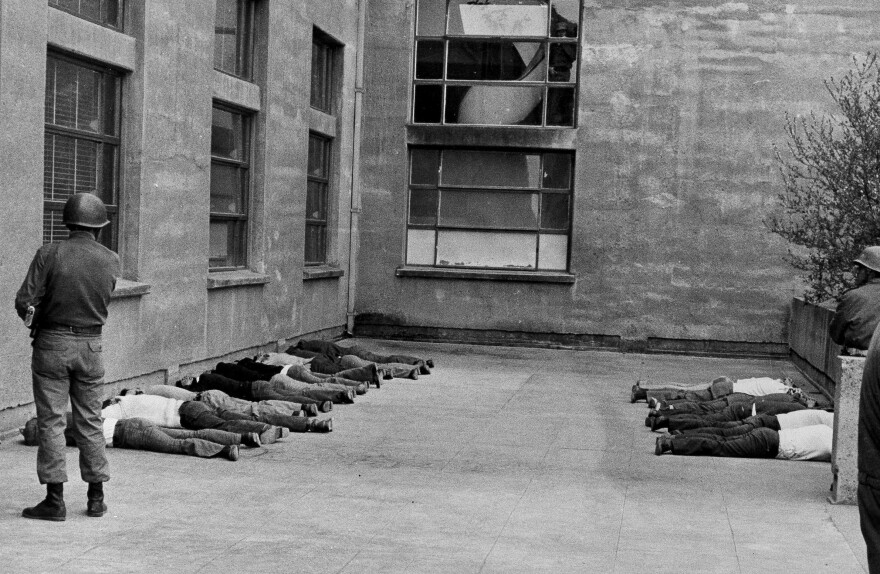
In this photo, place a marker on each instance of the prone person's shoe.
(430, 363)
(52, 507)
(251, 439)
(95, 506)
(637, 393)
(663, 444)
(230, 452)
(648, 420)
(424, 369)
(659, 422)
(310, 410)
(325, 425)
(414, 375)
(325, 407)
(361, 389)
(269, 436)
(282, 432)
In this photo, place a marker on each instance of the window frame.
(538, 230)
(444, 83)
(325, 181)
(117, 25)
(329, 48)
(237, 238)
(50, 206)
(244, 41)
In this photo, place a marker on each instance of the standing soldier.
(64, 300)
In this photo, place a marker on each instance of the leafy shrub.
(830, 203)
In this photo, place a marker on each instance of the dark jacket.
(857, 315)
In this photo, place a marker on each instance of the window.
(230, 178)
(323, 99)
(489, 209)
(104, 12)
(81, 147)
(323, 52)
(511, 62)
(316, 200)
(233, 37)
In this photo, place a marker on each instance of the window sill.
(322, 272)
(126, 288)
(239, 278)
(487, 275)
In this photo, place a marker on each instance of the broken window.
(489, 209)
(507, 63)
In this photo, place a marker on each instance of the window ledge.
(487, 274)
(126, 288)
(238, 278)
(322, 272)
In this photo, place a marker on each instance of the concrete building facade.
(680, 107)
(210, 268)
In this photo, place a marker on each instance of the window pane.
(319, 152)
(316, 244)
(316, 201)
(53, 226)
(495, 105)
(507, 61)
(427, 104)
(563, 62)
(491, 169)
(564, 18)
(104, 12)
(429, 60)
(227, 189)
(227, 135)
(560, 107)
(486, 249)
(553, 252)
(554, 211)
(504, 18)
(420, 247)
(557, 171)
(219, 241)
(488, 210)
(232, 37)
(432, 17)
(425, 166)
(323, 57)
(423, 206)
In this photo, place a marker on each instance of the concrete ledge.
(322, 272)
(75, 35)
(844, 456)
(126, 288)
(486, 275)
(243, 277)
(236, 91)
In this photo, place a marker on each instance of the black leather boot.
(95, 506)
(52, 508)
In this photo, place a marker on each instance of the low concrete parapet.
(844, 458)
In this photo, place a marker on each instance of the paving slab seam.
(732, 532)
(506, 522)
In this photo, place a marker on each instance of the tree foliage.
(830, 203)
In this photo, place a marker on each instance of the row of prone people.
(247, 403)
(759, 417)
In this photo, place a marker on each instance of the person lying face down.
(141, 434)
(192, 415)
(777, 422)
(716, 389)
(812, 442)
(277, 413)
(678, 420)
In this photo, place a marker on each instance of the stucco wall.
(680, 106)
(166, 57)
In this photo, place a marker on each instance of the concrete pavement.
(502, 460)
